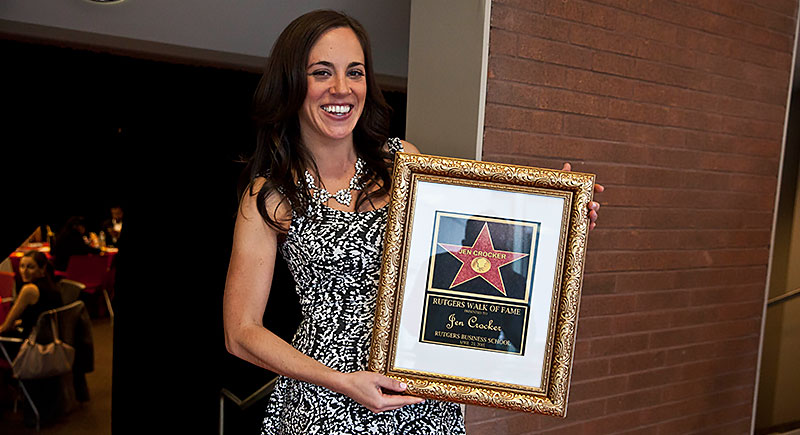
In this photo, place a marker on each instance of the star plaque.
(482, 260)
(480, 274)
(480, 282)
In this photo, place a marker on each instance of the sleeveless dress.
(49, 298)
(335, 259)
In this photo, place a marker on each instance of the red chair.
(6, 294)
(91, 271)
(6, 300)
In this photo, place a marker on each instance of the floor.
(90, 418)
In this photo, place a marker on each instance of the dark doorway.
(87, 129)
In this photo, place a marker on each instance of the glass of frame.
(481, 280)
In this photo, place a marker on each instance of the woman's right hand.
(370, 390)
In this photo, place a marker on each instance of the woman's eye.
(321, 73)
(356, 73)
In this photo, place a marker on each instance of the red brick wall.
(678, 107)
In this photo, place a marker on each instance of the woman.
(38, 294)
(318, 183)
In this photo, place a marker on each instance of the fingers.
(377, 392)
(594, 207)
(597, 187)
(391, 384)
(393, 401)
(389, 402)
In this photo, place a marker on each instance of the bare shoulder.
(28, 294)
(409, 147)
(274, 203)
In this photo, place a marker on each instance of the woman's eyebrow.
(330, 65)
(322, 63)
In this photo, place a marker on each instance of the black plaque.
(480, 276)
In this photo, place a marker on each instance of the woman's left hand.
(594, 206)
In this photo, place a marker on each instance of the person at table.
(113, 227)
(319, 184)
(37, 295)
(71, 240)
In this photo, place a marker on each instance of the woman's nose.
(340, 87)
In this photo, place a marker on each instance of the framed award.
(481, 281)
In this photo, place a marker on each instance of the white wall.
(448, 50)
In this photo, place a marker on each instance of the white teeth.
(337, 109)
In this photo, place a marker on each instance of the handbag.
(35, 361)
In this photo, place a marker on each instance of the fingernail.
(403, 385)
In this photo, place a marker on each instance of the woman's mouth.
(338, 109)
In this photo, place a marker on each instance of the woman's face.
(29, 270)
(337, 87)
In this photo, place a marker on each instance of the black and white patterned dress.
(334, 257)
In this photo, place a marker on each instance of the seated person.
(112, 227)
(71, 240)
(37, 295)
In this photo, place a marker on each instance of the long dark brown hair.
(42, 261)
(280, 155)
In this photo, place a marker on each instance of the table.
(99, 279)
(16, 256)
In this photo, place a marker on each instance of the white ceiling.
(241, 31)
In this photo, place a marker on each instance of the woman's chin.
(337, 135)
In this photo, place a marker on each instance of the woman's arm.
(409, 147)
(28, 295)
(246, 293)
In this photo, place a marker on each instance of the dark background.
(83, 130)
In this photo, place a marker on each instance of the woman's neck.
(37, 281)
(333, 157)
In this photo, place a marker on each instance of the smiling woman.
(323, 125)
(318, 102)
(37, 295)
(336, 87)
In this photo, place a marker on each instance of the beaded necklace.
(343, 196)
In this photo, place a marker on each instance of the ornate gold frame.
(551, 399)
